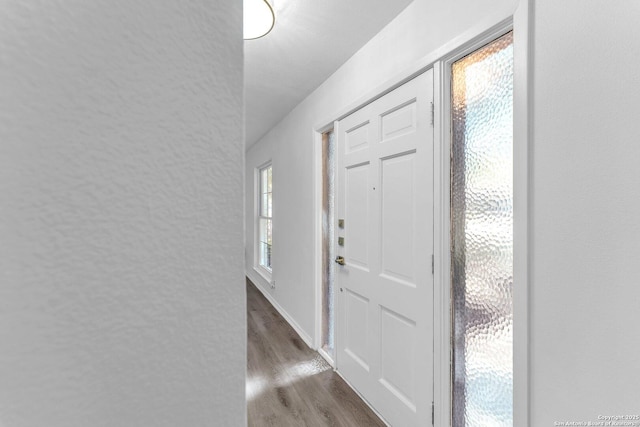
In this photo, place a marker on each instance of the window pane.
(482, 235)
(264, 241)
(265, 255)
(264, 206)
(268, 263)
(263, 180)
(266, 203)
(263, 230)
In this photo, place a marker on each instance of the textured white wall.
(420, 29)
(121, 174)
(585, 211)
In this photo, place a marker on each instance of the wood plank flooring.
(288, 384)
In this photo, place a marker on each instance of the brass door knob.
(340, 260)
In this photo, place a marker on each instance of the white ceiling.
(310, 40)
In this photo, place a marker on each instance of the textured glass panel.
(328, 188)
(482, 235)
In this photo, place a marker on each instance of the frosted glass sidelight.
(328, 245)
(482, 235)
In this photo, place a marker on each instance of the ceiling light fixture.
(259, 18)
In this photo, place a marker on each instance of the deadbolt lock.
(340, 260)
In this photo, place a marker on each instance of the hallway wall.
(585, 211)
(122, 296)
(420, 29)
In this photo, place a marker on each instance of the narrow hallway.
(288, 384)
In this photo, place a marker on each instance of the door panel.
(357, 208)
(397, 215)
(357, 138)
(356, 344)
(385, 307)
(397, 367)
(398, 121)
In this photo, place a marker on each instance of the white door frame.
(318, 131)
(440, 60)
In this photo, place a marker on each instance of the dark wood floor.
(288, 384)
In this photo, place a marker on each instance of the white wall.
(422, 28)
(585, 211)
(121, 277)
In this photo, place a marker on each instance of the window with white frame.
(265, 220)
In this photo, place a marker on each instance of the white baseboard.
(261, 287)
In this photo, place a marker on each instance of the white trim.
(522, 121)
(264, 273)
(317, 252)
(318, 174)
(305, 337)
(336, 338)
(442, 265)
(256, 208)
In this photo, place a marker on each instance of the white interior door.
(385, 299)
